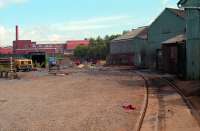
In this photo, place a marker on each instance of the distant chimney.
(17, 33)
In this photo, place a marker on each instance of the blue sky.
(62, 20)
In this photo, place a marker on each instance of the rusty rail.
(145, 105)
(139, 124)
(194, 111)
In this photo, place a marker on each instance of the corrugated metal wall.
(193, 43)
(167, 25)
(121, 47)
(193, 38)
(134, 46)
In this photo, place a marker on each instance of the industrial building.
(172, 43)
(27, 47)
(73, 44)
(160, 46)
(41, 53)
(169, 24)
(6, 50)
(129, 49)
(57, 48)
(193, 37)
(143, 47)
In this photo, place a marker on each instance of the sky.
(61, 20)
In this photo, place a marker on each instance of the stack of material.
(7, 68)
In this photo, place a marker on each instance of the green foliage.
(81, 52)
(125, 31)
(39, 65)
(98, 48)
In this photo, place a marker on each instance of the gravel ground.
(77, 102)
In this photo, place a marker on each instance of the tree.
(98, 48)
(81, 52)
(125, 32)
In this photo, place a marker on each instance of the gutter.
(190, 7)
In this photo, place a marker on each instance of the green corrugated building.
(130, 48)
(192, 9)
(170, 23)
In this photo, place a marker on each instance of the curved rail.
(185, 99)
(145, 106)
(146, 102)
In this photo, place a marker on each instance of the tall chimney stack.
(17, 33)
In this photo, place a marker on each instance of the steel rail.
(145, 106)
(194, 111)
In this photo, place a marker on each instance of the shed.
(129, 49)
(174, 55)
(170, 23)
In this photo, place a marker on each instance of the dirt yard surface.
(81, 101)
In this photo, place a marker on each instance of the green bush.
(98, 48)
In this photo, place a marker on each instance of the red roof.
(71, 45)
(7, 50)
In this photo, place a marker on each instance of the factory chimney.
(17, 33)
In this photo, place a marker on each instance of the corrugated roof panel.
(177, 39)
(140, 33)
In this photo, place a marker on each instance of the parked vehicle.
(24, 64)
(52, 61)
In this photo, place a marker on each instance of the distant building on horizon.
(73, 44)
(6, 50)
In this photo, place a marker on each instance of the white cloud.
(6, 36)
(92, 23)
(4, 3)
(64, 31)
(78, 29)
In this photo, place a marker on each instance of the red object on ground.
(34, 69)
(129, 107)
(77, 62)
(71, 45)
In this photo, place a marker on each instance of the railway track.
(161, 125)
(185, 99)
(145, 106)
(156, 85)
